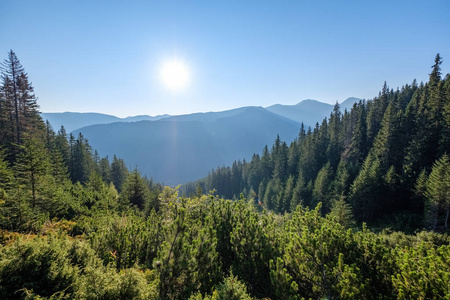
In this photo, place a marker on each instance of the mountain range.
(177, 149)
(76, 120)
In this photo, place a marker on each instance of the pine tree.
(6, 124)
(61, 144)
(285, 205)
(322, 142)
(6, 174)
(105, 169)
(293, 157)
(424, 148)
(340, 185)
(31, 115)
(11, 69)
(367, 189)
(300, 193)
(280, 160)
(19, 99)
(82, 160)
(437, 192)
(321, 190)
(444, 142)
(236, 178)
(261, 192)
(359, 144)
(435, 75)
(135, 191)
(266, 163)
(388, 144)
(273, 194)
(335, 145)
(119, 172)
(412, 127)
(253, 172)
(418, 198)
(308, 158)
(342, 212)
(375, 112)
(31, 167)
(71, 162)
(100, 195)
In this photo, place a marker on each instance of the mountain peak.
(308, 100)
(348, 103)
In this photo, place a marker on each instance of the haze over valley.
(178, 149)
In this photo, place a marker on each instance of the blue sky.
(105, 56)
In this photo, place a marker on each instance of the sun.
(175, 75)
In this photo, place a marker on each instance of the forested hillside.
(74, 226)
(386, 158)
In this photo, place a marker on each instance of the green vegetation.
(386, 158)
(74, 226)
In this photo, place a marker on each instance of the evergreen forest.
(357, 207)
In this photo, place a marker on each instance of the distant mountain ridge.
(309, 111)
(75, 120)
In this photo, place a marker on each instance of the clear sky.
(106, 56)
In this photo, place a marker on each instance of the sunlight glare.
(175, 75)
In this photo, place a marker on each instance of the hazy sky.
(106, 56)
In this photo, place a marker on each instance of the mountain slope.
(181, 149)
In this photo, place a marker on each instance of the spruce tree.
(6, 174)
(119, 172)
(437, 192)
(280, 160)
(388, 145)
(340, 185)
(359, 144)
(435, 75)
(285, 205)
(367, 190)
(31, 167)
(321, 190)
(135, 191)
(335, 145)
(444, 142)
(82, 160)
(61, 144)
(105, 169)
(18, 99)
(299, 192)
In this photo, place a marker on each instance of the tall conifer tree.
(19, 100)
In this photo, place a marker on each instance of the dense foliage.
(74, 226)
